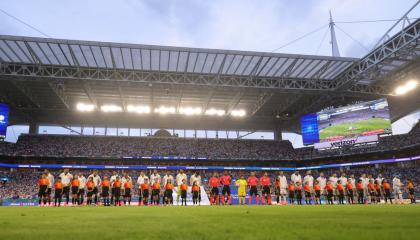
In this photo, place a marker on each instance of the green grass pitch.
(358, 127)
(212, 222)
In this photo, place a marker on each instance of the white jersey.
(322, 182)
(82, 181)
(334, 181)
(379, 180)
(352, 181)
(283, 181)
(296, 178)
(194, 178)
(66, 179)
(50, 178)
(396, 184)
(113, 179)
(180, 177)
(96, 179)
(154, 176)
(309, 179)
(365, 182)
(140, 179)
(166, 178)
(343, 181)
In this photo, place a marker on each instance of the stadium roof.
(44, 78)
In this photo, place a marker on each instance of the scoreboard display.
(350, 122)
(4, 119)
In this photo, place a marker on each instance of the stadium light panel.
(410, 85)
(82, 107)
(165, 110)
(111, 108)
(215, 112)
(238, 113)
(190, 111)
(138, 109)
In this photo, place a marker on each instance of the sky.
(252, 25)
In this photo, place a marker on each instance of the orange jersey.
(265, 181)
(252, 181)
(307, 188)
(359, 186)
(371, 187)
(128, 185)
(299, 188)
(169, 186)
(329, 187)
(340, 187)
(58, 185)
(410, 185)
(43, 182)
(387, 186)
(105, 183)
(184, 187)
(317, 187)
(90, 185)
(116, 184)
(75, 183)
(291, 187)
(214, 182)
(195, 188)
(144, 186)
(377, 187)
(156, 186)
(349, 186)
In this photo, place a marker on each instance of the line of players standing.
(118, 189)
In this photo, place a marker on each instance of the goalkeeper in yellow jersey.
(241, 184)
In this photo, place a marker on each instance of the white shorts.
(283, 191)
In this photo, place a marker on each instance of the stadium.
(103, 139)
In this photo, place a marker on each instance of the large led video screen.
(4, 119)
(362, 119)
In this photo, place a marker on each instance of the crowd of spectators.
(119, 147)
(66, 146)
(22, 183)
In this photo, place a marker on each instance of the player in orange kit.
(43, 183)
(169, 200)
(350, 193)
(265, 184)
(308, 193)
(195, 191)
(75, 183)
(184, 188)
(214, 192)
(105, 184)
(291, 189)
(226, 180)
(330, 192)
(253, 191)
(340, 192)
(317, 189)
(127, 192)
(58, 192)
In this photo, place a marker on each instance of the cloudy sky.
(254, 25)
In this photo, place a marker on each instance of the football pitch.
(347, 129)
(212, 222)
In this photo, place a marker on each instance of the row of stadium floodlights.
(144, 109)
